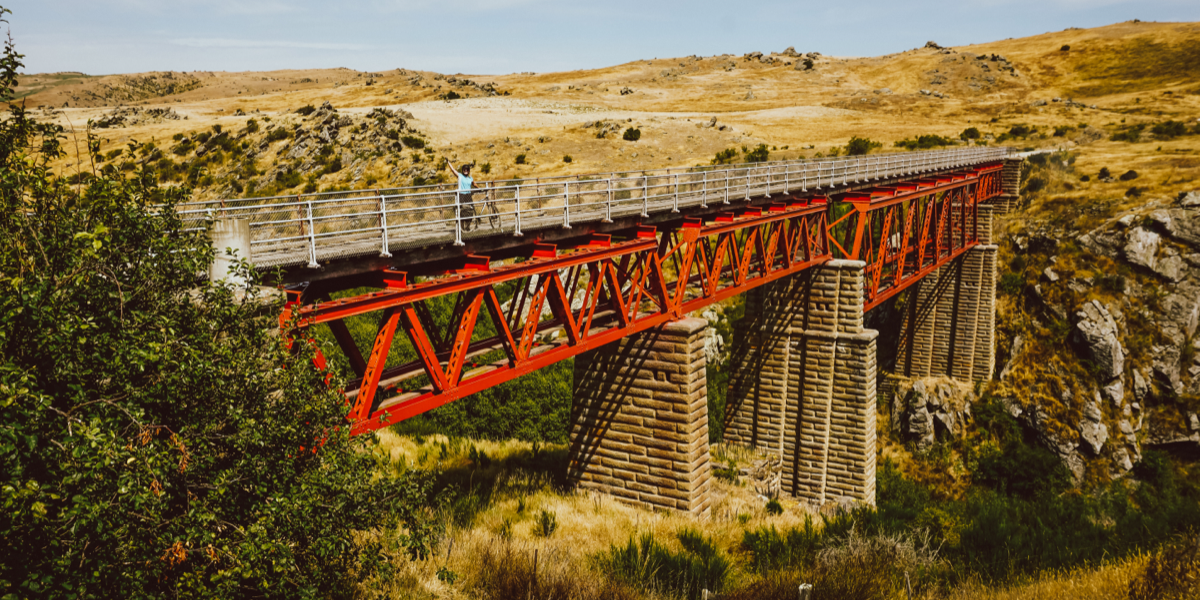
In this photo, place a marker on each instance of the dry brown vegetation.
(1131, 72)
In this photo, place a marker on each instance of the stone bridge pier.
(806, 390)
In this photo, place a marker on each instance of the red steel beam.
(903, 231)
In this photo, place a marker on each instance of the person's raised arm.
(451, 165)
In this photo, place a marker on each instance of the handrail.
(307, 229)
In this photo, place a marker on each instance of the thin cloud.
(232, 43)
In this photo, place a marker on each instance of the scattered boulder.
(1097, 333)
(1141, 247)
(791, 51)
(753, 56)
(933, 45)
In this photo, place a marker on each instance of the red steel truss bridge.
(542, 270)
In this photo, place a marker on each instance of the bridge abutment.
(1010, 186)
(640, 419)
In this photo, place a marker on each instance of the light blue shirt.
(464, 183)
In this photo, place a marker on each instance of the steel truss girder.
(902, 231)
(595, 294)
(905, 231)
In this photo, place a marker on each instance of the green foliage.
(547, 523)
(859, 146)
(251, 126)
(970, 133)
(648, 564)
(1131, 133)
(1011, 283)
(925, 142)
(1169, 129)
(1111, 283)
(449, 95)
(725, 157)
(774, 508)
(632, 135)
(771, 550)
(759, 154)
(1129, 175)
(306, 110)
(158, 440)
(1062, 130)
(413, 142)
(278, 133)
(520, 160)
(567, 158)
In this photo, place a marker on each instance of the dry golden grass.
(1125, 69)
(1107, 581)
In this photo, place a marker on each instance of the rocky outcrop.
(926, 410)
(1097, 332)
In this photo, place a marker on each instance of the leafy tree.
(970, 133)
(632, 135)
(156, 436)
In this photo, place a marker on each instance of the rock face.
(1091, 430)
(925, 410)
(1161, 240)
(1098, 333)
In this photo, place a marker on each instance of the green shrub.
(1104, 173)
(278, 133)
(1133, 192)
(725, 157)
(758, 154)
(520, 160)
(1129, 175)
(1021, 130)
(547, 523)
(306, 110)
(288, 178)
(858, 146)
(970, 133)
(1169, 129)
(251, 126)
(1062, 130)
(567, 158)
(774, 508)
(413, 142)
(1011, 283)
(649, 565)
(1128, 134)
(1111, 283)
(485, 168)
(925, 142)
(632, 135)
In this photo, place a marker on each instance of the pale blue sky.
(505, 36)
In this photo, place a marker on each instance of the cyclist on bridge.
(462, 198)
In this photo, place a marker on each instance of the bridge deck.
(314, 229)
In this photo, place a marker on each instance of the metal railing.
(309, 229)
